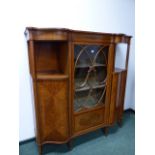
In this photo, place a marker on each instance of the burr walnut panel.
(89, 119)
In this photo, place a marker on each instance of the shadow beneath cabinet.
(63, 148)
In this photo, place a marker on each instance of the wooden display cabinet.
(77, 88)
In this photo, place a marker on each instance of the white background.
(104, 16)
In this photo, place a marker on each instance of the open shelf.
(51, 58)
(119, 70)
(51, 75)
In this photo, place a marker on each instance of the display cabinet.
(77, 88)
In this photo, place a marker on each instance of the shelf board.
(50, 76)
(85, 110)
(116, 70)
(88, 87)
(100, 65)
(87, 65)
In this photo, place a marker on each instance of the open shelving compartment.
(119, 82)
(121, 57)
(51, 59)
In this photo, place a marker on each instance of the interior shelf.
(51, 58)
(51, 75)
(119, 70)
(87, 87)
(88, 65)
(92, 81)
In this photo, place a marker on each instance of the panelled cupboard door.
(53, 109)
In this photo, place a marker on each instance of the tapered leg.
(70, 144)
(119, 122)
(40, 149)
(105, 131)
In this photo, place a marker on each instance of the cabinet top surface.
(74, 31)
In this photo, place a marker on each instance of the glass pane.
(90, 72)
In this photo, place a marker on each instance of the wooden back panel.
(51, 56)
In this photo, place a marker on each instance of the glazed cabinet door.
(53, 110)
(90, 74)
(90, 85)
